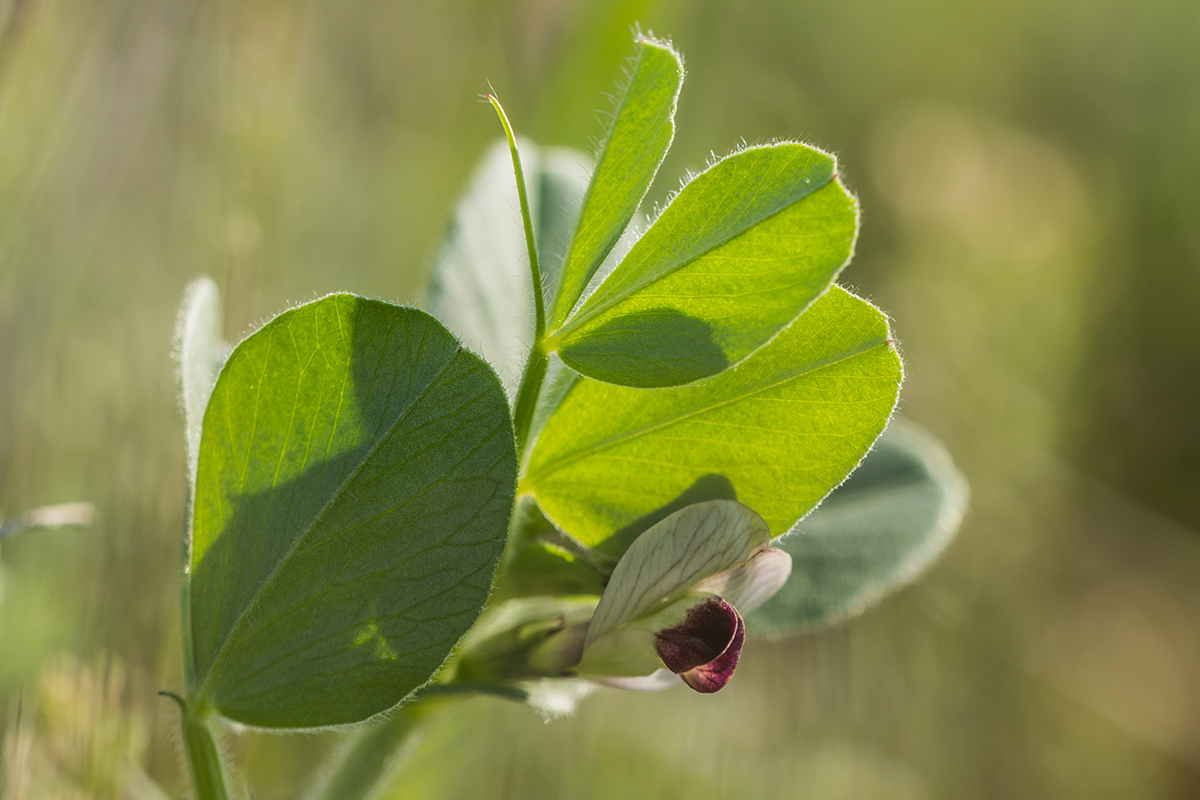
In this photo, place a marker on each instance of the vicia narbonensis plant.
(620, 492)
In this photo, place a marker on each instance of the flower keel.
(704, 649)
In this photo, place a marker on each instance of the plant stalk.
(539, 300)
(539, 359)
(203, 755)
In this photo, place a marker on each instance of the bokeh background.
(1030, 174)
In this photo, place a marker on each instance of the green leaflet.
(354, 490)
(876, 533)
(739, 253)
(777, 433)
(665, 562)
(641, 132)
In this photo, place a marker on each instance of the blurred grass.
(1029, 173)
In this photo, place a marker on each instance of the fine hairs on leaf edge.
(604, 117)
(713, 160)
(894, 345)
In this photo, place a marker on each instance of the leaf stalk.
(200, 748)
(539, 358)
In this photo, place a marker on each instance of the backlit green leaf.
(354, 490)
(777, 433)
(876, 533)
(739, 252)
(641, 132)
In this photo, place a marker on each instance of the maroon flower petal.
(705, 633)
(713, 676)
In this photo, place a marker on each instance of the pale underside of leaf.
(355, 484)
(777, 432)
(480, 284)
(201, 350)
(735, 256)
(666, 561)
(878, 532)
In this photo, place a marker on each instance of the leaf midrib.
(574, 323)
(219, 657)
(561, 463)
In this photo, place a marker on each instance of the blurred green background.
(1030, 177)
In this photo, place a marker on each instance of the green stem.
(203, 756)
(527, 397)
(539, 301)
(539, 359)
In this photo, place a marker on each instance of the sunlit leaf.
(354, 490)
(876, 533)
(638, 138)
(776, 433)
(666, 561)
(739, 252)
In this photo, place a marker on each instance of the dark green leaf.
(876, 533)
(641, 132)
(354, 490)
(737, 255)
(777, 433)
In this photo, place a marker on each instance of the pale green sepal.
(741, 251)
(778, 432)
(522, 638)
(355, 483)
(665, 562)
(638, 138)
(875, 534)
(628, 651)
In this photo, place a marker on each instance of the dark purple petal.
(713, 676)
(705, 633)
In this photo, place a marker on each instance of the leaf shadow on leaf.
(707, 487)
(366, 593)
(647, 349)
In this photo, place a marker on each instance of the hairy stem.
(539, 300)
(539, 359)
(200, 748)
